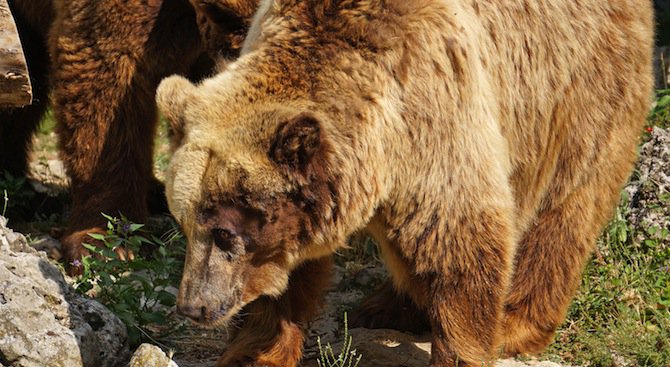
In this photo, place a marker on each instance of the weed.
(135, 289)
(4, 202)
(346, 357)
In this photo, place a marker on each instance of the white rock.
(43, 322)
(148, 355)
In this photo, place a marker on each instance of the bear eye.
(223, 239)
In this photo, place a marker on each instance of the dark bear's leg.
(108, 58)
(390, 306)
(276, 327)
(387, 308)
(17, 125)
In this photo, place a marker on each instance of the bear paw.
(248, 362)
(73, 250)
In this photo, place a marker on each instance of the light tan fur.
(482, 137)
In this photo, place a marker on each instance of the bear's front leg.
(467, 285)
(272, 333)
(458, 270)
(267, 338)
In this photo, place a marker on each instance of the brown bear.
(100, 61)
(483, 143)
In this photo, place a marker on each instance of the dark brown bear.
(98, 62)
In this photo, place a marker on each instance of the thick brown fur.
(483, 143)
(101, 61)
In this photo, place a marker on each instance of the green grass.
(161, 150)
(45, 141)
(660, 111)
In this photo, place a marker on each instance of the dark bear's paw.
(284, 349)
(156, 200)
(386, 309)
(73, 250)
(226, 361)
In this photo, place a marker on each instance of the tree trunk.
(15, 88)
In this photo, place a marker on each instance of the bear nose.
(193, 312)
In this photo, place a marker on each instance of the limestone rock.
(49, 177)
(148, 355)
(11, 241)
(43, 322)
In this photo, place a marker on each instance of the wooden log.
(15, 88)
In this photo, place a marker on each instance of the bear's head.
(274, 156)
(254, 194)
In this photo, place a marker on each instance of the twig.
(6, 199)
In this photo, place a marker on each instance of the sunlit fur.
(483, 142)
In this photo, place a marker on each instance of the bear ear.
(172, 96)
(297, 141)
(226, 20)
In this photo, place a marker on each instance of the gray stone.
(11, 241)
(43, 322)
(49, 177)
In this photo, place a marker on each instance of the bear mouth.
(212, 318)
(221, 318)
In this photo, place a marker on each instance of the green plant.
(346, 357)
(137, 288)
(660, 111)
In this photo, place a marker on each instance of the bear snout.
(200, 312)
(192, 311)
